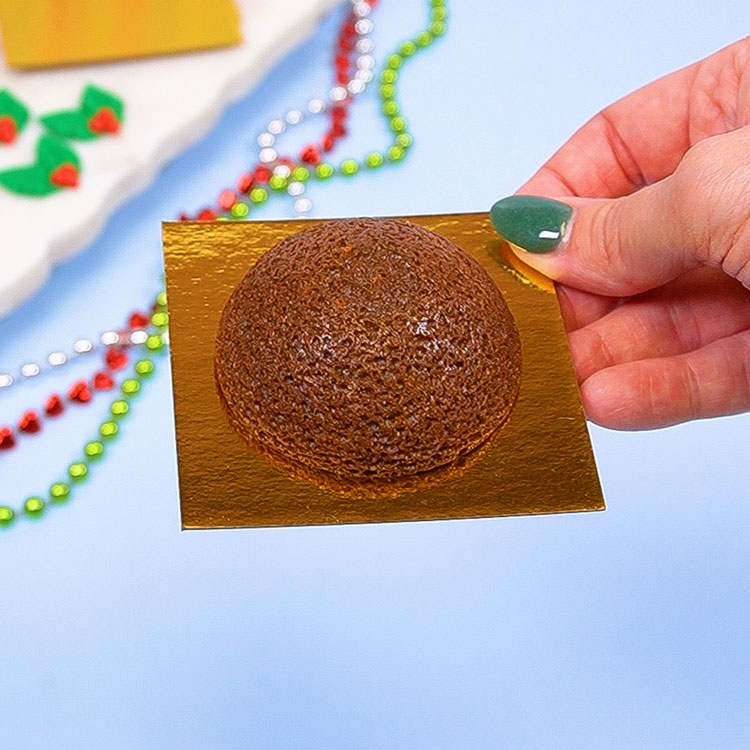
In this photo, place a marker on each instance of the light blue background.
(624, 629)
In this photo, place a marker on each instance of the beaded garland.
(272, 175)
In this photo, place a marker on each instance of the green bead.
(437, 28)
(240, 210)
(259, 195)
(423, 39)
(300, 174)
(78, 471)
(144, 367)
(374, 160)
(389, 76)
(154, 343)
(161, 299)
(131, 386)
(324, 171)
(408, 48)
(6, 515)
(404, 140)
(160, 319)
(93, 450)
(119, 409)
(33, 505)
(390, 107)
(59, 491)
(108, 430)
(394, 61)
(439, 14)
(395, 153)
(438, 3)
(387, 91)
(277, 182)
(398, 124)
(349, 167)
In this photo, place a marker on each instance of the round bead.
(363, 26)
(119, 409)
(5, 380)
(6, 515)
(404, 140)
(364, 46)
(258, 195)
(295, 188)
(108, 430)
(277, 183)
(30, 370)
(144, 367)
(57, 358)
(131, 387)
(282, 170)
(82, 346)
(407, 49)
(398, 124)
(324, 171)
(154, 343)
(395, 153)
(316, 106)
(93, 450)
(361, 9)
(276, 126)
(394, 61)
(300, 174)
(355, 86)
(349, 167)
(266, 140)
(78, 471)
(294, 117)
(374, 160)
(389, 76)
(240, 210)
(439, 13)
(161, 299)
(110, 338)
(267, 155)
(364, 75)
(423, 39)
(59, 491)
(337, 94)
(33, 505)
(390, 107)
(302, 205)
(138, 337)
(437, 28)
(365, 62)
(160, 319)
(387, 91)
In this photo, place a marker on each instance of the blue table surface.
(623, 629)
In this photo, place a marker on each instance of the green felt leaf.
(95, 98)
(71, 123)
(51, 153)
(10, 105)
(33, 180)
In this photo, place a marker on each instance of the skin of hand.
(651, 251)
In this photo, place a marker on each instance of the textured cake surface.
(367, 348)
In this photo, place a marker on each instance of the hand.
(649, 241)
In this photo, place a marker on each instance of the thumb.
(699, 215)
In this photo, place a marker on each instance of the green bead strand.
(33, 506)
(349, 167)
(93, 450)
(130, 387)
(59, 492)
(144, 368)
(6, 515)
(78, 471)
(108, 430)
(119, 409)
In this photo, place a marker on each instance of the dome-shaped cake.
(367, 348)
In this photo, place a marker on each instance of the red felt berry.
(104, 120)
(80, 392)
(227, 199)
(244, 182)
(7, 439)
(262, 174)
(310, 154)
(29, 422)
(138, 320)
(54, 406)
(206, 215)
(8, 129)
(64, 176)
(116, 358)
(327, 141)
(103, 382)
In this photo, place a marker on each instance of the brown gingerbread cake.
(368, 348)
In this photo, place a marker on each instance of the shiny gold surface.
(540, 462)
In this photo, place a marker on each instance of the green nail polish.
(536, 225)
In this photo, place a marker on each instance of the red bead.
(103, 382)
(342, 77)
(7, 439)
(80, 392)
(327, 141)
(244, 182)
(66, 175)
(338, 130)
(341, 61)
(310, 154)
(116, 358)
(346, 44)
(348, 29)
(184, 217)
(8, 129)
(138, 320)
(54, 406)
(339, 113)
(262, 174)
(206, 215)
(104, 120)
(29, 422)
(227, 199)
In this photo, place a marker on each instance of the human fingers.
(642, 137)
(700, 215)
(579, 308)
(672, 320)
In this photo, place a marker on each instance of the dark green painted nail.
(536, 225)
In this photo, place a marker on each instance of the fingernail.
(534, 224)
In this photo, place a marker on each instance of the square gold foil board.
(541, 461)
